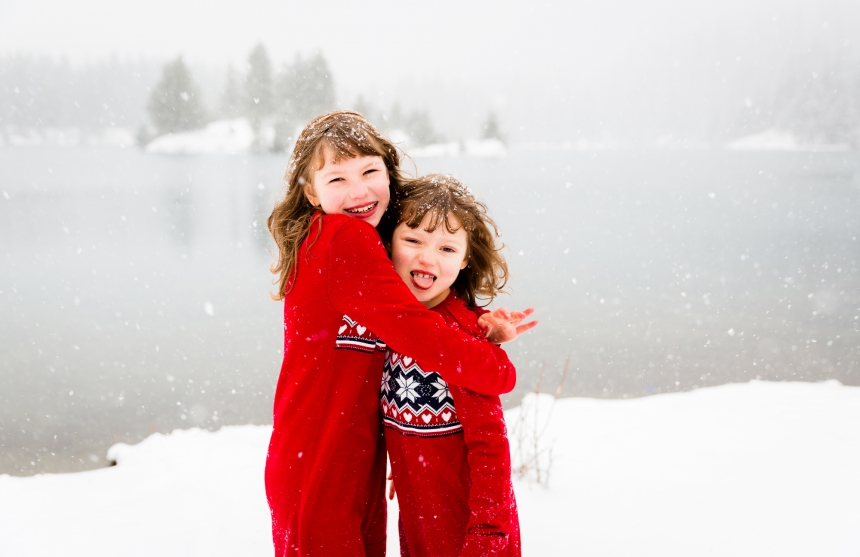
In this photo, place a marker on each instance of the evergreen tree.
(363, 107)
(491, 128)
(174, 104)
(306, 89)
(419, 128)
(259, 98)
(394, 119)
(231, 98)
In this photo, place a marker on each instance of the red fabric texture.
(325, 470)
(452, 476)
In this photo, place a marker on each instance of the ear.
(465, 263)
(311, 194)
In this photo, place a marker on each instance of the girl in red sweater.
(325, 469)
(448, 445)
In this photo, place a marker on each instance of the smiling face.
(429, 262)
(354, 186)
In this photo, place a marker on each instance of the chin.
(421, 296)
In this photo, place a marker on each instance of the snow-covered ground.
(754, 469)
(66, 137)
(224, 137)
(471, 148)
(778, 140)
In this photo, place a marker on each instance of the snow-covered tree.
(820, 105)
(416, 124)
(174, 104)
(490, 129)
(419, 128)
(259, 96)
(231, 97)
(306, 88)
(363, 107)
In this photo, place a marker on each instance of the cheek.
(330, 199)
(453, 269)
(381, 190)
(400, 260)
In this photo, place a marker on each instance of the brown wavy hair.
(443, 196)
(346, 134)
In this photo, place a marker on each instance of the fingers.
(391, 486)
(526, 327)
(485, 325)
(501, 313)
(517, 316)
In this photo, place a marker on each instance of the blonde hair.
(442, 196)
(346, 134)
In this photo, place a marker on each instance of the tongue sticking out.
(422, 281)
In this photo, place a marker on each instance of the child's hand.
(391, 486)
(501, 325)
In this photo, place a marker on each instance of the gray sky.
(647, 64)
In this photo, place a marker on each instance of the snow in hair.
(346, 134)
(450, 203)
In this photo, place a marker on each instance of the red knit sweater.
(325, 470)
(449, 456)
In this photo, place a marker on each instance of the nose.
(427, 256)
(357, 190)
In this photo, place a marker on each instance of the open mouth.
(363, 210)
(422, 280)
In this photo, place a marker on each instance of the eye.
(368, 171)
(449, 250)
(335, 180)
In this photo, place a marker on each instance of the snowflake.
(442, 389)
(407, 388)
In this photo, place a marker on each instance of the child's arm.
(362, 284)
(491, 499)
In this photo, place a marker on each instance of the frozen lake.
(134, 288)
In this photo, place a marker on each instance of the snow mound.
(744, 470)
(224, 137)
(66, 137)
(777, 140)
(479, 148)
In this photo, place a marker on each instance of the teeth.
(362, 210)
(423, 275)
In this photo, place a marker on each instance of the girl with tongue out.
(448, 445)
(343, 305)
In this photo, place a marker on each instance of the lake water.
(134, 292)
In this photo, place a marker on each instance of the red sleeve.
(362, 284)
(490, 495)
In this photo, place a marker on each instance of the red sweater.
(325, 470)
(449, 456)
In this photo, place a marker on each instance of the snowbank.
(472, 148)
(752, 469)
(223, 137)
(66, 137)
(777, 140)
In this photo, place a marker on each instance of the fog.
(667, 71)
